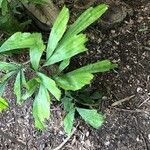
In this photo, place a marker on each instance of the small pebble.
(113, 31)
(107, 143)
(104, 98)
(87, 133)
(61, 133)
(139, 89)
(149, 136)
(137, 139)
(88, 143)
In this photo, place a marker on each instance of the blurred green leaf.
(69, 48)
(3, 104)
(91, 117)
(10, 24)
(26, 40)
(50, 85)
(87, 97)
(7, 76)
(2, 87)
(78, 78)
(96, 95)
(68, 121)
(100, 66)
(17, 87)
(57, 31)
(86, 18)
(4, 80)
(68, 104)
(3, 6)
(4, 66)
(41, 107)
(36, 50)
(74, 81)
(1, 3)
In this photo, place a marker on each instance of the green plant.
(90, 115)
(8, 20)
(63, 44)
(4, 4)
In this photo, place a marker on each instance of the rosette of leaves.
(63, 43)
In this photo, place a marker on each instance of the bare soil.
(127, 125)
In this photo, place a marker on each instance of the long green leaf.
(100, 66)
(57, 31)
(68, 104)
(1, 3)
(3, 104)
(4, 66)
(69, 48)
(87, 18)
(4, 6)
(17, 87)
(17, 41)
(74, 81)
(26, 40)
(7, 76)
(50, 85)
(68, 121)
(91, 117)
(41, 107)
(4, 80)
(36, 50)
(2, 87)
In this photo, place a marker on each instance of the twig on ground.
(26, 63)
(132, 111)
(141, 134)
(1, 35)
(144, 102)
(66, 140)
(147, 48)
(122, 100)
(144, 140)
(7, 136)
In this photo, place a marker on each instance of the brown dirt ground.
(127, 125)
